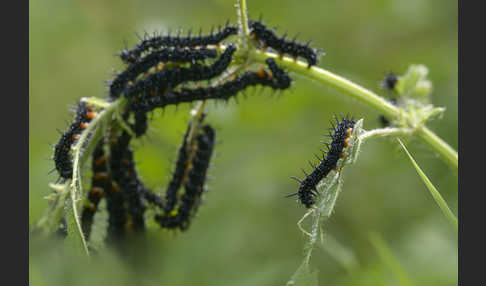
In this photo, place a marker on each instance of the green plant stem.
(323, 76)
(444, 150)
(363, 95)
(196, 115)
(390, 131)
(243, 21)
(78, 159)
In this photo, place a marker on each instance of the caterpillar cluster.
(62, 150)
(157, 74)
(115, 178)
(149, 81)
(267, 38)
(388, 83)
(340, 134)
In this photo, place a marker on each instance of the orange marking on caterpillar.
(83, 125)
(90, 115)
(96, 191)
(100, 176)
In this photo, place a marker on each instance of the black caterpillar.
(340, 140)
(124, 174)
(178, 174)
(156, 42)
(62, 150)
(126, 193)
(152, 198)
(141, 123)
(194, 185)
(268, 38)
(170, 78)
(99, 185)
(277, 80)
(115, 200)
(390, 81)
(197, 176)
(152, 60)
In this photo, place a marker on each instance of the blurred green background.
(246, 233)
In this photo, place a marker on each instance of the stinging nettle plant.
(169, 70)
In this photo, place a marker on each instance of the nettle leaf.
(414, 84)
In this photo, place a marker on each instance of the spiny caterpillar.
(197, 176)
(194, 185)
(340, 139)
(62, 150)
(156, 42)
(278, 79)
(390, 81)
(178, 174)
(157, 59)
(124, 174)
(115, 199)
(267, 38)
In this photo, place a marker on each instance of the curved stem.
(196, 115)
(363, 95)
(323, 76)
(78, 159)
(444, 150)
(385, 132)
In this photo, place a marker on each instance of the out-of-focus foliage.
(246, 232)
